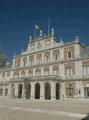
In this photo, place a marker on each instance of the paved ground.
(12, 109)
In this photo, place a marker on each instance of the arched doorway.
(57, 91)
(20, 91)
(28, 91)
(37, 91)
(47, 91)
(12, 90)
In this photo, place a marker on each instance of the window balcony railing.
(45, 62)
(51, 60)
(49, 77)
(44, 77)
(77, 77)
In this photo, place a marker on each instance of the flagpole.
(48, 25)
(34, 33)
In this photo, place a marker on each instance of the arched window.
(47, 57)
(55, 54)
(37, 91)
(17, 63)
(47, 43)
(55, 70)
(46, 71)
(23, 74)
(24, 62)
(12, 90)
(69, 55)
(16, 74)
(31, 60)
(39, 45)
(57, 91)
(38, 72)
(30, 73)
(20, 90)
(39, 58)
(47, 90)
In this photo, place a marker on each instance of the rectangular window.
(69, 72)
(86, 70)
(69, 55)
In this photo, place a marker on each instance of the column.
(62, 91)
(16, 90)
(9, 90)
(32, 91)
(42, 91)
(23, 92)
(82, 90)
(53, 90)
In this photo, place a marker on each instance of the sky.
(69, 18)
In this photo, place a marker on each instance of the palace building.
(47, 69)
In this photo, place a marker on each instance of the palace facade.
(48, 69)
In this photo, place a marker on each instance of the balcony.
(44, 77)
(37, 78)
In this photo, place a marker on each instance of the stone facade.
(47, 70)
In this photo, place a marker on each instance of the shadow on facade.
(86, 118)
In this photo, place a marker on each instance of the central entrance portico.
(43, 88)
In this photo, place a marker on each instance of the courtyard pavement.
(14, 109)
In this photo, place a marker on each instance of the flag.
(36, 30)
(37, 27)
